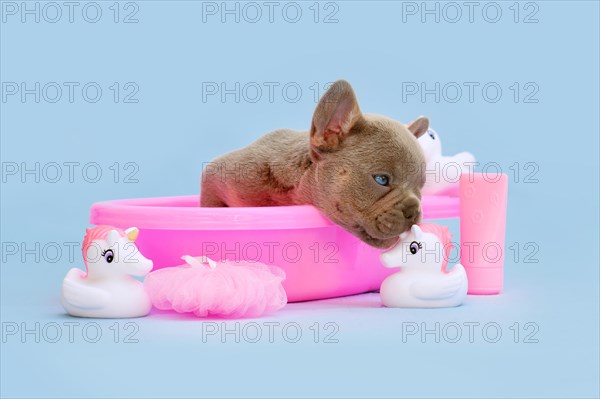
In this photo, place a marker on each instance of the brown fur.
(332, 168)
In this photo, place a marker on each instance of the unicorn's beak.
(387, 259)
(132, 233)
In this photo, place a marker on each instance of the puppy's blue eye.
(382, 180)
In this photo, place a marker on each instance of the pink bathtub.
(320, 259)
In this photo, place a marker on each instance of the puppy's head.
(369, 168)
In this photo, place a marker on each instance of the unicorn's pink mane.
(443, 234)
(96, 233)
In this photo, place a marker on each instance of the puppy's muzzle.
(398, 216)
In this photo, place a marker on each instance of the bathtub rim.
(180, 213)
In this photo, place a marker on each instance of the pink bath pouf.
(226, 289)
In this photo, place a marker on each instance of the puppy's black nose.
(410, 213)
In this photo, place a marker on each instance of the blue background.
(171, 131)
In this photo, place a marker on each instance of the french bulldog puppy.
(364, 172)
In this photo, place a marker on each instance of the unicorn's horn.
(132, 233)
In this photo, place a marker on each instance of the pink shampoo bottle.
(483, 199)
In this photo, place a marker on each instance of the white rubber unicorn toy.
(423, 281)
(443, 172)
(107, 289)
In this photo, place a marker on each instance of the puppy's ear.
(419, 126)
(334, 117)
